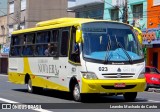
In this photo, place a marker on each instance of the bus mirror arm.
(78, 36)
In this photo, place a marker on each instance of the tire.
(131, 96)
(76, 93)
(29, 86)
(32, 89)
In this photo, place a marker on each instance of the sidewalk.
(1, 74)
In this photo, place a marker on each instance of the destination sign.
(94, 29)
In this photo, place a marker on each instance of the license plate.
(119, 85)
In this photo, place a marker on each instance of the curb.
(154, 90)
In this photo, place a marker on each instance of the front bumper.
(153, 85)
(107, 86)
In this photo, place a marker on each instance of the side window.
(15, 51)
(28, 50)
(16, 43)
(42, 43)
(43, 37)
(64, 43)
(55, 34)
(40, 49)
(17, 40)
(53, 50)
(29, 39)
(28, 46)
(12, 40)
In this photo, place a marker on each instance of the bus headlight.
(141, 75)
(89, 75)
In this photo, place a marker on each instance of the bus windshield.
(110, 41)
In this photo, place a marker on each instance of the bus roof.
(57, 23)
(60, 21)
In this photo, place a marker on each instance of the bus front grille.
(118, 75)
(112, 87)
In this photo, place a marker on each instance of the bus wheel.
(131, 96)
(33, 89)
(76, 93)
(29, 86)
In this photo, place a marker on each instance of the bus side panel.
(15, 70)
(49, 72)
(74, 71)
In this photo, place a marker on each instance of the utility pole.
(18, 20)
(18, 15)
(125, 12)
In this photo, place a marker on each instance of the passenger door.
(63, 55)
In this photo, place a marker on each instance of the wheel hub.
(76, 93)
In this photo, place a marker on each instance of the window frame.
(113, 12)
(11, 5)
(60, 41)
(135, 7)
(23, 3)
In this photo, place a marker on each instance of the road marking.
(153, 101)
(10, 101)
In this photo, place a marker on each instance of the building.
(135, 11)
(3, 21)
(151, 35)
(3, 35)
(26, 13)
(153, 13)
(71, 3)
(3, 47)
(3, 29)
(88, 9)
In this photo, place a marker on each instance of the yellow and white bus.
(83, 56)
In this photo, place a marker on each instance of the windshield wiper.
(120, 45)
(108, 48)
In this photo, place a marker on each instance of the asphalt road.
(13, 93)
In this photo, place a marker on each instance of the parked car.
(152, 75)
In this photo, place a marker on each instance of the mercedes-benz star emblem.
(118, 75)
